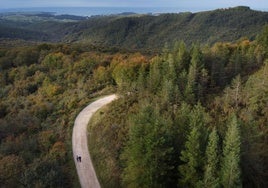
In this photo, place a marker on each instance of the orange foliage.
(58, 150)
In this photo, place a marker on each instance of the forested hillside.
(42, 90)
(192, 117)
(138, 31)
(152, 32)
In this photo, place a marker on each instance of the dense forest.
(191, 115)
(42, 90)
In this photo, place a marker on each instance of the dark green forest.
(193, 114)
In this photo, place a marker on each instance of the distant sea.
(92, 11)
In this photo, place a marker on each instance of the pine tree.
(155, 75)
(170, 91)
(199, 118)
(167, 92)
(182, 58)
(147, 151)
(196, 65)
(211, 176)
(230, 172)
(191, 156)
(171, 71)
(191, 83)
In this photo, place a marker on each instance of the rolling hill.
(141, 31)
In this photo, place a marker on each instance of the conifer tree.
(147, 151)
(191, 156)
(211, 176)
(230, 172)
(169, 92)
(196, 65)
(191, 171)
(181, 57)
(171, 72)
(191, 83)
(199, 118)
(155, 75)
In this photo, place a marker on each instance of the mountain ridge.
(144, 31)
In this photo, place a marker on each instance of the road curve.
(85, 169)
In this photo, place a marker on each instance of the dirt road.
(85, 169)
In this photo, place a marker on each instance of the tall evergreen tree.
(196, 65)
(148, 150)
(211, 176)
(155, 75)
(182, 58)
(192, 157)
(191, 171)
(199, 118)
(230, 172)
(169, 92)
(191, 83)
(171, 71)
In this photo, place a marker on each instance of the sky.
(191, 4)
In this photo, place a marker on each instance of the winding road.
(85, 169)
